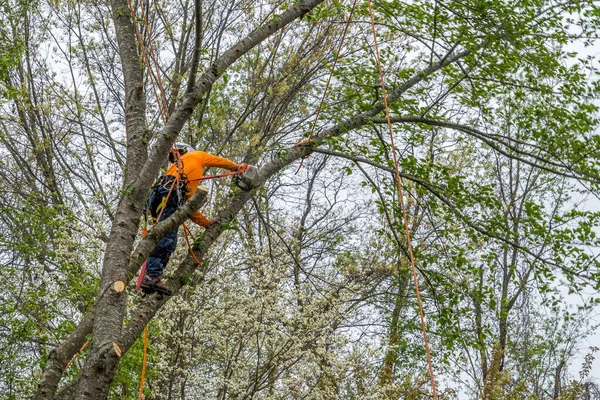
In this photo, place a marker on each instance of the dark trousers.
(159, 256)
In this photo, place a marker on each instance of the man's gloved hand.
(242, 166)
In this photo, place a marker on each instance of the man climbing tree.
(168, 193)
(79, 124)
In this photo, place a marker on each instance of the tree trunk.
(387, 371)
(557, 376)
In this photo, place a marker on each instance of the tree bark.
(557, 376)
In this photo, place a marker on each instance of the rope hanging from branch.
(401, 199)
(141, 395)
(337, 55)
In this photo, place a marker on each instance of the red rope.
(401, 197)
(208, 177)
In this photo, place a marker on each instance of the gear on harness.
(245, 181)
(159, 196)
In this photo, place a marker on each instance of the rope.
(337, 55)
(187, 232)
(77, 354)
(162, 99)
(162, 106)
(401, 197)
(155, 59)
(208, 177)
(144, 53)
(141, 396)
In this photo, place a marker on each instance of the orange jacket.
(194, 163)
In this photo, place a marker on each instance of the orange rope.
(401, 197)
(154, 58)
(77, 354)
(337, 55)
(187, 232)
(146, 59)
(144, 363)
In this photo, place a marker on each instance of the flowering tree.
(494, 119)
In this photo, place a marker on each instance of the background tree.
(303, 288)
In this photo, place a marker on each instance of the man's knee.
(161, 253)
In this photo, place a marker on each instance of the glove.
(242, 166)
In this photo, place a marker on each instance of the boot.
(152, 284)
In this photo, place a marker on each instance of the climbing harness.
(159, 210)
(159, 197)
(400, 199)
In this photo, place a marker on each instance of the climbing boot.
(152, 284)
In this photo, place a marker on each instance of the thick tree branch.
(61, 355)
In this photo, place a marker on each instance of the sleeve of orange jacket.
(208, 160)
(200, 219)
